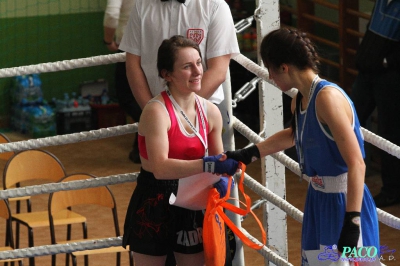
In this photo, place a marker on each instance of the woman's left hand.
(350, 231)
(222, 185)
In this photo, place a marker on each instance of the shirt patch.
(318, 181)
(196, 35)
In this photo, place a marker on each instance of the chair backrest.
(5, 155)
(5, 213)
(101, 196)
(4, 210)
(32, 165)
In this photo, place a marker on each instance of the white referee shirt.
(116, 16)
(208, 22)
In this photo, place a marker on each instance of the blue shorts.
(323, 220)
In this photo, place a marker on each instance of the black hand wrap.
(246, 155)
(350, 231)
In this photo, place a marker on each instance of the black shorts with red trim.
(154, 227)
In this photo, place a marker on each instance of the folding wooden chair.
(100, 197)
(30, 167)
(5, 213)
(4, 157)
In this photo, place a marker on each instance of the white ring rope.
(69, 138)
(259, 71)
(112, 242)
(70, 185)
(61, 248)
(266, 252)
(381, 143)
(388, 219)
(63, 65)
(267, 194)
(254, 138)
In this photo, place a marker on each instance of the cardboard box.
(74, 119)
(107, 115)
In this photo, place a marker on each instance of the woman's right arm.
(154, 125)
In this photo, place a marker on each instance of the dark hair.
(289, 46)
(168, 49)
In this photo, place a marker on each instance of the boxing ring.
(271, 189)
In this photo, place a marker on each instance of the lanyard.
(203, 123)
(299, 141)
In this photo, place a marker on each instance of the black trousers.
(381, 90)
(124, 94)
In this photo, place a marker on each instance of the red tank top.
(180, 146)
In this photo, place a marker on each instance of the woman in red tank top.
(178, 131)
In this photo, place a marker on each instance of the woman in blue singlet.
(340, 214)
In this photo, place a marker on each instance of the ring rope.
(70, 185)
(254, 138)
(61, 248)
(259, 71)
(388, 219)
(266, 252)
(110, 242)
(381, 143)
(267, 194)
(69, 138)
(63, 65)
